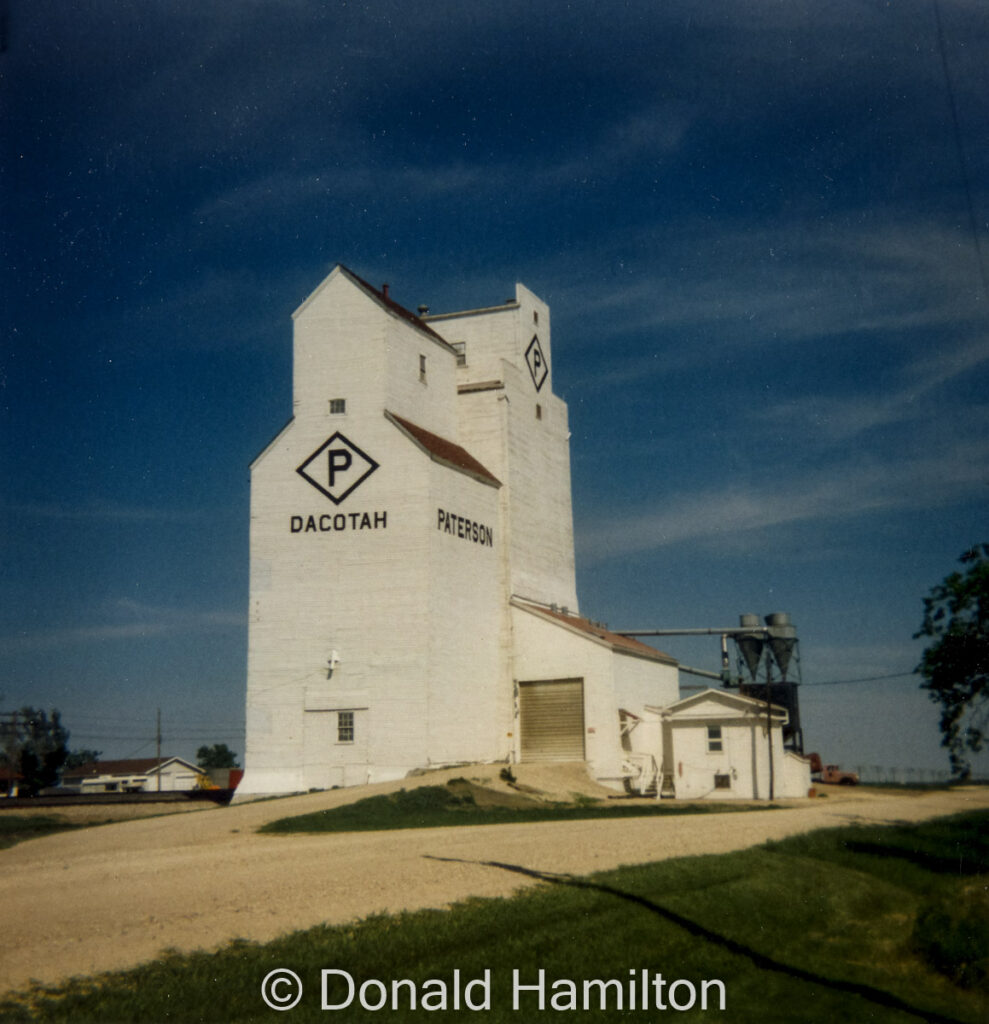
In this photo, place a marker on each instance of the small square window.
(345, 727)
(338, 406)
(714, 741)
(722, 782)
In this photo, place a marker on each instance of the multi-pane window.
(722, 782)
(714, 741)
(338, 405)
(345, 727)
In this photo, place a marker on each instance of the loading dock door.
(551, 720)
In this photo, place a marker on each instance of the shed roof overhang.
(593, 631)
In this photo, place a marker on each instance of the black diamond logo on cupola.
(537, 362)
(337, 467)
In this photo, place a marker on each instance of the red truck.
(830, 773)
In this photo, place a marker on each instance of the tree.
(77, 758)
(956, 666)
(217, 756)
(35, 747)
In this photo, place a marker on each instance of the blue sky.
(761, 227)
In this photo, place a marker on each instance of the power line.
(864, 679)
(91, 737)
(962, 162)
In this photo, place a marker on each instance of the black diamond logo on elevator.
(536, 362)
(337, 468)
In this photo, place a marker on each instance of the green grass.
(460, 803)
(15, 828)
(837, 925)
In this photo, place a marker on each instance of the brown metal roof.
(595, 629)
(444, 451)
(390, 303)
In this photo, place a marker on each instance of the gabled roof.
(727, 698)
(382, 298)
(127, 766)
(617, 642)
(445, 452)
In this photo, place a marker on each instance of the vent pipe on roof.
(384, 290)
(423, 310)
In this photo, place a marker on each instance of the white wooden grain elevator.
(412, 589)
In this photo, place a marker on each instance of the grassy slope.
(815, 928)
(15, 828)
(462, 803)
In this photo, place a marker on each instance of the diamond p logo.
(537, 362)
(337, 467)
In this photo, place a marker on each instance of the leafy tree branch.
(955, 666)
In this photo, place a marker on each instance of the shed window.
(345, 727)
(338, 405)
(722, 782)
(460, 347)
(714, 742)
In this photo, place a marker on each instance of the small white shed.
(720, 745)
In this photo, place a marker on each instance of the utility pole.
(158, 748)
(769, 720)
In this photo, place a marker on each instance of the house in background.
(136, 775)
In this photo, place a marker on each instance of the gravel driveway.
(113, 896)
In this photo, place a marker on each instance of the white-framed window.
(338, 406)
(345, 727)
(460, 347)
(715, 743)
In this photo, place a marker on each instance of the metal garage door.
(551, 720)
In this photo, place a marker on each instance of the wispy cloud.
(720, 516)
(108, 512)
(126, 620)
(655, 131)
(839, 418)
(800, 281)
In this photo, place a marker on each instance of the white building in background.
(136, 775)
(412, 589)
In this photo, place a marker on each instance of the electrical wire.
(864, 679)
(962, 162)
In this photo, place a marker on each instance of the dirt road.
(115, 895)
